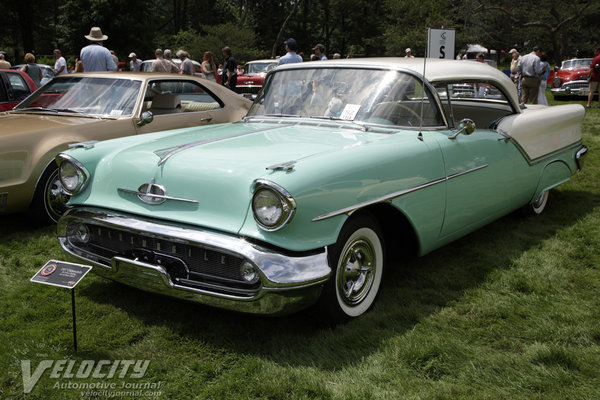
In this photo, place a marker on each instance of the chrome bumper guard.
(580, 156)
(287, 283)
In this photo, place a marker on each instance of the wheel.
(356, 262)
(50, 200)
(538, 206)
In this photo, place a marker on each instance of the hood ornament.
(287, 166)
(151, 193)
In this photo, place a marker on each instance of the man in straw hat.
(94, 56)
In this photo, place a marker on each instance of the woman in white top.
(208, 66)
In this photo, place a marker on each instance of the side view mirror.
(466, 126)
(147, 117)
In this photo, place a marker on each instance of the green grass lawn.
(511, 311)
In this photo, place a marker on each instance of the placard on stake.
(66, 275)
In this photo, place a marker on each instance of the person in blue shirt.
(94, 56)
(291, 56)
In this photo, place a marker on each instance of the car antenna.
(420, 135)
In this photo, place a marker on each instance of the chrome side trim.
(391, 196)
(555, 154)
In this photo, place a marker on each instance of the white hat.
(132, 55)
(96, 35)
(407, 50)
(513, 51)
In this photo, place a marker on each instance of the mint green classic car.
(336, 165)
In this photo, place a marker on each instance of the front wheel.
(50, 199)
(356, 261)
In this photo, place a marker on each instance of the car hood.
(212, 172)
(17, 123)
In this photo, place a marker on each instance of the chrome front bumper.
(572, 88)
(288, 282)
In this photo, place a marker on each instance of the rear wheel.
(50, 199)
(356, 261)
(538, 206)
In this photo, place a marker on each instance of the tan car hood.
(12, 123)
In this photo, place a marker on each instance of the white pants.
(542, 94)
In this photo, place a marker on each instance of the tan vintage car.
(74, 110)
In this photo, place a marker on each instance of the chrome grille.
(188, 265)
(576, 85)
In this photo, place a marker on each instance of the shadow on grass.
(412, 291)
(22, 223)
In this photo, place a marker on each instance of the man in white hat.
(134, 64)
(94, 56)
(408, 52)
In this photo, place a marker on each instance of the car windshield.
(86, 95)
(360, 95)
(260, 67)
(576, 63)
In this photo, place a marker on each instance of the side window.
(404, 104)
(480, 101)
(172, 96)
(20, 90)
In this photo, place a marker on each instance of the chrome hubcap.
(356, 271)
(56, 197)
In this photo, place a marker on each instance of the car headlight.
(72, 174)
(556, 82)
(272, 205)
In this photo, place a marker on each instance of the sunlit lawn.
(511, 311)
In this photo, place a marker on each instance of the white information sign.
(440, 43)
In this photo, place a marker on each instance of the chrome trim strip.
(555, 154)
(165, 197)
(171, 151)
(391, 196)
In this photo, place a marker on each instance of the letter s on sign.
(442, 53)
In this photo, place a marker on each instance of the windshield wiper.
(69, 110)
(362, 127)
(283, 115)
(36, 109)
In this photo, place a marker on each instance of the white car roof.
(436, 70)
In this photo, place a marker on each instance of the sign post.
(440, 43)
(65, 275)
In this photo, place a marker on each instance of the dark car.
(15, 86)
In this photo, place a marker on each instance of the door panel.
(480, 169)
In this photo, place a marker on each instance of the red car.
(571, 78)
(250, 83)
(14, 87)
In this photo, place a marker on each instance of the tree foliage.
(255, 29)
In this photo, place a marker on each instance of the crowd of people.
(529, 72)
